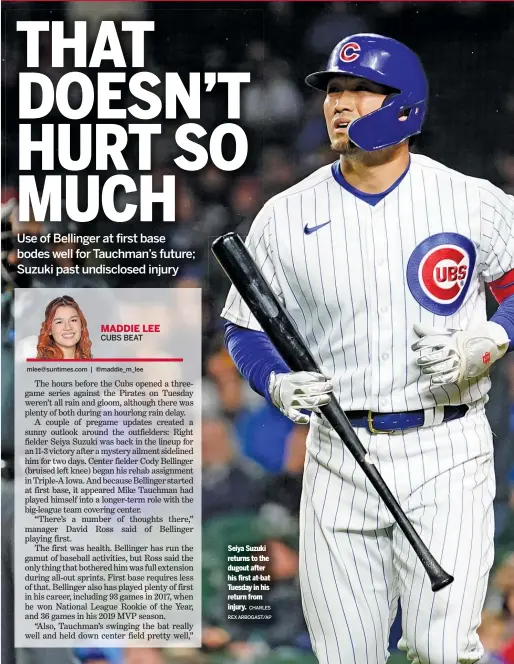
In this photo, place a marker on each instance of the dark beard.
(350, 151)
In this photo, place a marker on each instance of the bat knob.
(444, 579)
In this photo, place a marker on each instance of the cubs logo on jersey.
(439, 272)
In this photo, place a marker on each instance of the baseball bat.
(242, 271)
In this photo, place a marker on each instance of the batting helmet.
(389, 63)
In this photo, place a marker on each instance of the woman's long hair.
(46, 346)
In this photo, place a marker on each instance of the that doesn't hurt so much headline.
(79, 96)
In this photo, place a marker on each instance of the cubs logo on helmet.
(350, 52)
(439, 272)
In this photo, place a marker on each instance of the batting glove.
(451, 356)
(292, 392)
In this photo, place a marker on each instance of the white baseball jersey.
(356, 277)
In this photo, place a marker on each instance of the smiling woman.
(64, 333)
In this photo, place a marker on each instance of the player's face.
(66, 327)
(349, 98)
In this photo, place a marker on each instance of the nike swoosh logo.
(313, 229)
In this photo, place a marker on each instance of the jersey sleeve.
(497, 241)
(259, 245)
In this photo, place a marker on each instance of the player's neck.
(375, 172)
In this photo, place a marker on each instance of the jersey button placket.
(382, 325)
(374, 274)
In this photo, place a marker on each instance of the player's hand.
(451, 356)
(299, 390)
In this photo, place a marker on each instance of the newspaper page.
(175, 490)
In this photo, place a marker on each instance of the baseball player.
(381, 259)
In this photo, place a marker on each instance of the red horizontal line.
(109, 359)
(243, 1)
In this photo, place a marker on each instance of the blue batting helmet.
(389, 63)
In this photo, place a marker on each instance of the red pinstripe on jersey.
(503, 287)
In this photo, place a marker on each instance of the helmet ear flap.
(381, 128)
(405, 114)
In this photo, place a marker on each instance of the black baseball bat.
(242, 271)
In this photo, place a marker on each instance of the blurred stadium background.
(252, 456)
